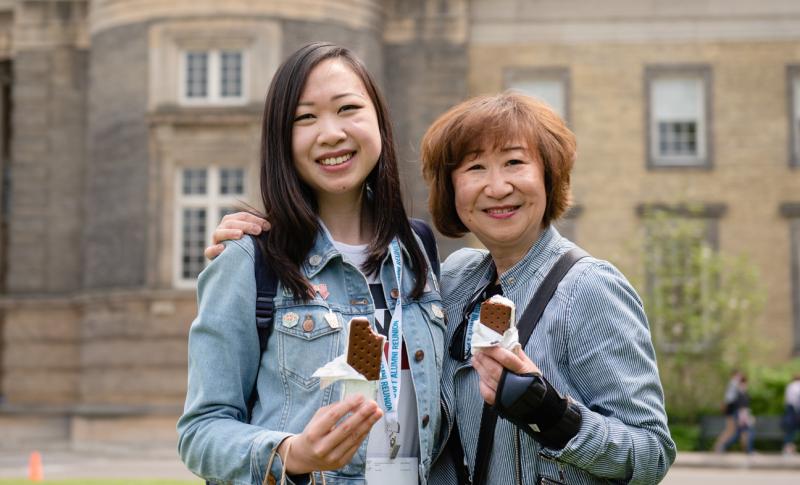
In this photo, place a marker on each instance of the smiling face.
(500, 196)
(336, 140)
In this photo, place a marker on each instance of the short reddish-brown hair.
(495, 121)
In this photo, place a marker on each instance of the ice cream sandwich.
(496, 315)
(364, 348)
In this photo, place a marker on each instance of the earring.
(368, 189)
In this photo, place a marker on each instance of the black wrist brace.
(531, 403)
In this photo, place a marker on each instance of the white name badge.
(385, 471)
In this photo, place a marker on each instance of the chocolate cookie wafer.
(364, 349)
(496, 316)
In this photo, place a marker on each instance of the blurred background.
(129, 127)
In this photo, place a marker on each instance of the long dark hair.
(290, 203)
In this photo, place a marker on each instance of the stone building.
(128, 127)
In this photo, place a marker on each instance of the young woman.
(342, 247)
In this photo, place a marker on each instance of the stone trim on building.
(560, 73)
(791, 211)
(794, 227)
(259, 40)
(792, 76)
(358, 14)
(703, 71)
(712, 212)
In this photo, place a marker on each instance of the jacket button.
(419, 355)
(395, 293)
(425, 420)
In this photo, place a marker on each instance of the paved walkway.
(98, 463)
(126, 462)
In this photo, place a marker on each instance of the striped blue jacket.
(593, 344)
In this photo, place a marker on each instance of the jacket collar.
(526, 268)
(323, 251)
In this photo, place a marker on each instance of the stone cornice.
(205, 116)
(497, 22)
(39, 25)
(357, 14)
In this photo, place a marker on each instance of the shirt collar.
(531, 264)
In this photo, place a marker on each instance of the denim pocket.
(434, 313)
(307, 342)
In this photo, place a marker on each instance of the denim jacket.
(593, 345)
(215, 441)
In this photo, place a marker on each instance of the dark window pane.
(194, 235)
(195, 181)
(231, 74)
(231, 181)
(197, 74)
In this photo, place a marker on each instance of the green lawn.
(99, 481)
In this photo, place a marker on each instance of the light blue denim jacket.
(224, 359)
(593, 344)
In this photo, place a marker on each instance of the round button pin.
(315, 259)
(308, 323)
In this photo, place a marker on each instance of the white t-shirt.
(408, 437)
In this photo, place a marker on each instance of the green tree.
(702, 306)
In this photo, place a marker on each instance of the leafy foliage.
(702, 305)
(768, 384)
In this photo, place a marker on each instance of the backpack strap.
(527, 323)
(425, 233)
(266, 289)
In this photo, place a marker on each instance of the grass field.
(99, 481)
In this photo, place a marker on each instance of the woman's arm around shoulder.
(612, 364)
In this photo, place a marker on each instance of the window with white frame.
(204, 196)
(546, 84)
(794, 121)
(678, 118)
(213, 77)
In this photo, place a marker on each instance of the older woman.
(582, 402)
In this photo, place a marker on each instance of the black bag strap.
(425, 233)
(535, 309)
(527, 323)
(266, 289)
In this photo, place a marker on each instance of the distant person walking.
(745, 422)
(791, 414)
(729, 408)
